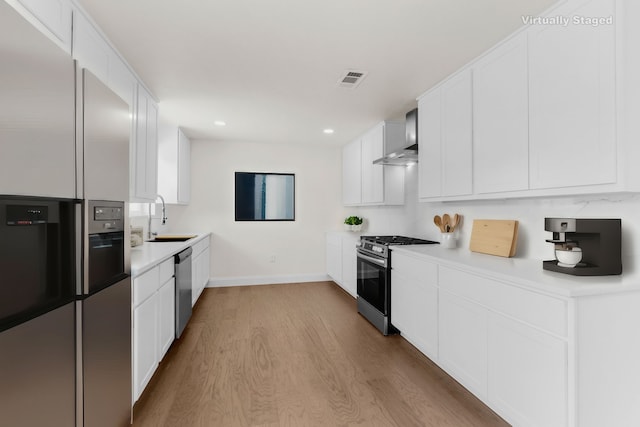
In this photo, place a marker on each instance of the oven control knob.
(377, 249)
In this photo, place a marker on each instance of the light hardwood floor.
(298, 355)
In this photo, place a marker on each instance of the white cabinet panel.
(457, 135)
(334, 256)
(145, 348)
(145, 151)
(372, 175)
(414, 303)
(349, 265)
(462, 351)
(572, 100)
(528, 380)
(501, 119)
(53, 15)
(430, 144)
(89, 48)
(174, 164)
(352, 173)
(166, 316)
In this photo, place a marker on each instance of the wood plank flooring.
(298, 355)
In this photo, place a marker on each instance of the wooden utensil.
(438, 222)
(454, 222)
(446, 223)
(494, 237)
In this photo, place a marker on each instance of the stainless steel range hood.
(408, 154)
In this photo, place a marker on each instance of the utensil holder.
(448, 240)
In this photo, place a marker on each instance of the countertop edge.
(143, 260)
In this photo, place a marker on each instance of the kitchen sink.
(164, 239)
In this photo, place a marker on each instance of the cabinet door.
(462, 351)
(334, 257)
(373, 175)
(146, 148)
(457, 173)
(145, 343)
(501, 119)
(430, 145)
(349, 265)
(528, 380)
(572, 99)
(54, 16)
(352, 173)
(166, 317)
(184, 169)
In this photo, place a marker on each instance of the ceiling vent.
(351, 78)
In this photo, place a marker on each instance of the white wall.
(416, 219)
(241, 252)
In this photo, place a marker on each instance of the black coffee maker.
(598, 240)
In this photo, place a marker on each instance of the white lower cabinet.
(153, 321)
(507, 345)
(414, 303)
(527, 373)
(145, 332)
(199, 269)
(463, 342)
(341, 260)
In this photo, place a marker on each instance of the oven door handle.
(380, 262)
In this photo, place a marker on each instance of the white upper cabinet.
(145, 149)
(174, 160)
(52, 17)
(457, 134)
(94, 53)
(500, 119)
(364, 183)
(352, 173)
(572, 100)
(429, 145)
(445, 139)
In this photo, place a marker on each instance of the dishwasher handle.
(183, 256)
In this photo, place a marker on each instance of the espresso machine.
(585, 247)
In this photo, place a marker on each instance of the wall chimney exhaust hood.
(408, 154)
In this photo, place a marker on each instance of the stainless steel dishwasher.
(183, 290)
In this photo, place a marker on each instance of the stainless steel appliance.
(183, 290)
(374, 278)
(598, 240)
(104, 319)
(37, 294)
(406, 152)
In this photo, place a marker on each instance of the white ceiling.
(269, 68)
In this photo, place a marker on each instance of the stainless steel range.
(374, 278)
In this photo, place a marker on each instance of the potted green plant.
(353, 223)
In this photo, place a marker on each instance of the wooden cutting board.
(494, 237)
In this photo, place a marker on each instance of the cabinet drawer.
(145, 285)
(415, 269)
(535, 309)
(167, 270)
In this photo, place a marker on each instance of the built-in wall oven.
(37, 310)
(374, 278)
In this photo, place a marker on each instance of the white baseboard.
(219, 282)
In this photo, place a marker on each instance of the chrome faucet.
(164, 215)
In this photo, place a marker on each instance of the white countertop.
(150, 254)
(526, 273)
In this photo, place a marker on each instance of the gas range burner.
(396, 240)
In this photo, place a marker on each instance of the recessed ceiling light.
(328, 131)
(219, 123)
